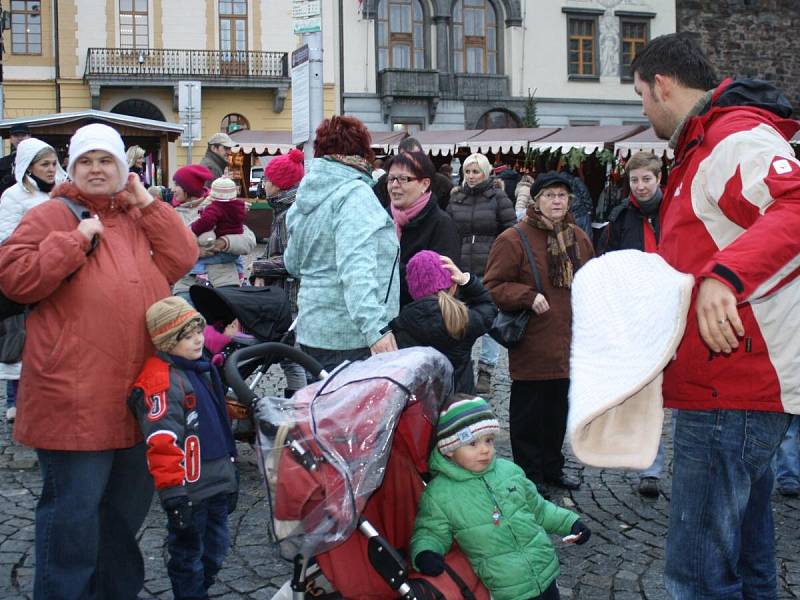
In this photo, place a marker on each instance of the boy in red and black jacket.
(179, 401)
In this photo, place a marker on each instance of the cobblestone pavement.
(623, 561)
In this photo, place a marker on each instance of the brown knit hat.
(168, 318)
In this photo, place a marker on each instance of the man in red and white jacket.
(731, 217)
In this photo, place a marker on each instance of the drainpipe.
(341, 57)
(57, 56)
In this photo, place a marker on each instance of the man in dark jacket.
(217, 155)
(440, 184)
(17, 133)
(509, 177)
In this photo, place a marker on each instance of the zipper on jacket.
(391, 279)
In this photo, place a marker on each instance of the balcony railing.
(154, 63)
(407, 82)
(475, 86)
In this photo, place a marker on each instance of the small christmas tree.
(530, 119)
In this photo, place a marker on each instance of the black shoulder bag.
(508, 327)
(9, 308)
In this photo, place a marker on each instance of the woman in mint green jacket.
(344, 250)
(487, 505)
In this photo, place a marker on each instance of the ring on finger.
(722, 321)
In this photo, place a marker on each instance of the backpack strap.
(466, 593)
(81, 213)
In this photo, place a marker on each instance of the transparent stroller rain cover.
(324, 451)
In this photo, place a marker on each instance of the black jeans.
(551, 593)
(538, 423)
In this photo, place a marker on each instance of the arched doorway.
(139, 108)
(134, 107)
(498, 119)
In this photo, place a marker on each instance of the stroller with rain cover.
(344, 461)
(264, 315)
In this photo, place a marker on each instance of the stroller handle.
(277, 352)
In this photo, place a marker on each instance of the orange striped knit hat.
(167, 319)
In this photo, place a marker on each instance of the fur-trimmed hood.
(491, 182)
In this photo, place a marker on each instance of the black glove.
(233, 501)
(578, 528)
(430, 563)
(179, 513)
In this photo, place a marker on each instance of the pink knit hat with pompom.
(425, 274)
(286, 171)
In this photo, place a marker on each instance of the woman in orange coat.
(91, 282)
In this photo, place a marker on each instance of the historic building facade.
(146, 58)
(449, 64)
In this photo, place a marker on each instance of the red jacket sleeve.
(208, 218)
(175, 249)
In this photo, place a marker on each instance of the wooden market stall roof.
(646, 140)
(280, 141)
(588, 138)
(67, 123)
(507, 141)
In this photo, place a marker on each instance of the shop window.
(26, 27)
(400, 34)
(475, 37)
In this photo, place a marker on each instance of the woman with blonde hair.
(450, 310)
(135, 156)
(481, 211)
(36, 170)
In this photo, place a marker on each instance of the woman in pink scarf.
(420, 223)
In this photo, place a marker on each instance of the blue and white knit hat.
(463, 422)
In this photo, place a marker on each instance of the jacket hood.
(752, 92)
(26, 152)
(437, 463)
(323, 180)
(482, 187)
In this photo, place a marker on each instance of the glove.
(179, 513)
(430, 563)
(233, 501)
(578, 528)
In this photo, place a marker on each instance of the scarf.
(101, 205)
(403, 216)
(649, 211)
(282, 201)
(359, 163)
(215, 430)
(42, 184)
(563, 256)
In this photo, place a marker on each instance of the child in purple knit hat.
(450, 311)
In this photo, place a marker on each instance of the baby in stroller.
(490, 508)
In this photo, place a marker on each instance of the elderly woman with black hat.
(539, 364)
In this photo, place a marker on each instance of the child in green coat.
(490, 508)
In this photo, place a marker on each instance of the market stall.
(154, 136)
(646, 140)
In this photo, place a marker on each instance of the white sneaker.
(11, 414)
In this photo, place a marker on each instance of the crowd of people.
(379, 256)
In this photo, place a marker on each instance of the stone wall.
(755, 38)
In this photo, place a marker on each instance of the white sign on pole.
(307, 15)
(301, 116)
(190, 110)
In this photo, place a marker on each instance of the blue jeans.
(217, 259)
(91, 508)
(721, 539)
(196, 556)
(657, 467)
(787, 458)
(12, 385)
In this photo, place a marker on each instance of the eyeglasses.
(552, 196)
(401, 179)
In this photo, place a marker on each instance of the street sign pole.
(308, 22)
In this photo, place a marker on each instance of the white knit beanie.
(98, 137)
(481, 161)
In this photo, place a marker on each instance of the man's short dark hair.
(409, 144)
(679, 56)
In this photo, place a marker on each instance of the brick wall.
(757, 38)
